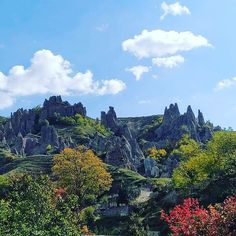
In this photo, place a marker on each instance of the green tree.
(212, 170)
(187, 148)
(136, 226)
(31, 208)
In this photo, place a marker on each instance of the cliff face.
(37, 131)
(124, 148)
(175, 125)
(26, 133)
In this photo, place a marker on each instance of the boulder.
(49, 136)
(151, 168)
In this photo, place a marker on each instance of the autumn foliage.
(81, 172)
(191, 219)
(156, 153)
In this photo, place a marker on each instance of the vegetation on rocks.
(84, 125)
(118, 183)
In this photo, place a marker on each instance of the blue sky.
(94, 67)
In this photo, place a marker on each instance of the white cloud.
(159, 43)
(226, 83)
(102, 28)
(143, 102)
(174, 9)
(168, 62)
(51, 74)
(138, 71)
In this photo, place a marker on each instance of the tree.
(191, 219)
(136, 226)
(186, 148)
(212, 169)
(31, 208)
(156, 153)
(81, 172)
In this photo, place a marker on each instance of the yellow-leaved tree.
(156, 153)
(81, 172)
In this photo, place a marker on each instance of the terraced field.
(33, 164)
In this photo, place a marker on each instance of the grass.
(84, 126)
(6, 156)
(32, 164)
(126, 175)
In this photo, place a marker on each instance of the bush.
(156, 153)
(192, 219)
(209, 167)
(87, 216)
(83, 125)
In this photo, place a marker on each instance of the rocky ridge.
(36, 131)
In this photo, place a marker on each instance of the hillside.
(118, 141)
(155, 161)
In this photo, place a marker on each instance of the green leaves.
(31, 208)
(186, 148)
(81, 172)
(203, 168)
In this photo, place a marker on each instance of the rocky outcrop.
(163, 169)
(54, 106)
(123, 149)
(109, 120)
(37, 131)
(171, 113)
(151, 168)
(49, 136)
(175, 125)
(201, 120)
(23, 135)
(23, 121)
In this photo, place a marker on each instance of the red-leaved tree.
(191, 219)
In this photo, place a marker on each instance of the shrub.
(191, 219)
(209, 167)
(156, 153)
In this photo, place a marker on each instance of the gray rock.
(23, 121)
(125, 140)
(201, 120)
(151, 168)
(49, 136)
(174, 126)
(109, 120)
(118, 152)
(30, 144)
(55, 106)
(171, 113)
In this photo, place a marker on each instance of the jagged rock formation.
(36, 131)
(175, 125)
(109, 120)
(20, 133)
(123, 149)
(165, 134)
(151, 168)
(55, 106)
